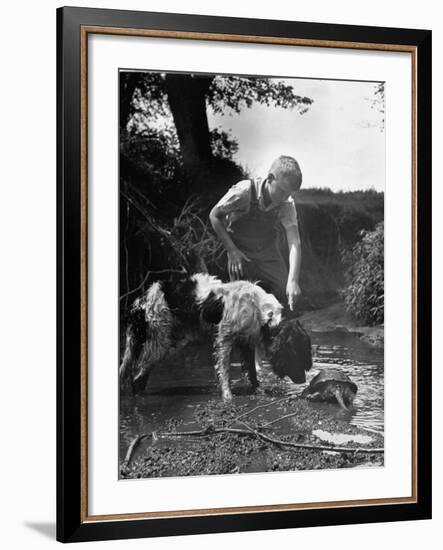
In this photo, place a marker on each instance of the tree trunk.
(186, 95)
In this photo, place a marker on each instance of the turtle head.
(288, 348)
(348, 392)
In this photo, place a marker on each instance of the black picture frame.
(72, 523)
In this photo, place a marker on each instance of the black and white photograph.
(251, 274)
(217, 285)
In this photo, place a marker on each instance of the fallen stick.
(273, 402)
(280, 418)
(312, 447)
(251, 431)
(131, 450)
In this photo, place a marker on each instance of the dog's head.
(288, 348)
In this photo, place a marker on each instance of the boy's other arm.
(235, 256)
(294, 244)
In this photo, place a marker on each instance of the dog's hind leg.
(146, 364)
(223, 349)
(248, 356)
(132, 351)
(141, 378)
(153, 352)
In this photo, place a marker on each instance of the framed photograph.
(244, 271)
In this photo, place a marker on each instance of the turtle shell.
(324, 377)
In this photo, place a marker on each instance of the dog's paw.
(227, 399)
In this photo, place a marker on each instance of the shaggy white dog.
(237, 313)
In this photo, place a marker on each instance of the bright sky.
(338, 142)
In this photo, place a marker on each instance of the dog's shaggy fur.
(238, 313)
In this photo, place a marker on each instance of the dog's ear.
(268, 334)
(290, 351)
(212, 309)
(302, 329)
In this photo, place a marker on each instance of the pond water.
(176, 390)
(363, 364)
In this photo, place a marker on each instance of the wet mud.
(184, 398)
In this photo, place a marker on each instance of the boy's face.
(279, 188)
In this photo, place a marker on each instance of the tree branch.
(146, 278)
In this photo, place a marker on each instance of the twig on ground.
(131, 450)
(280, 418)
(312, 447)
(247, 413)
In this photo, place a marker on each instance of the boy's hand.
(235, 261)
(292, 292)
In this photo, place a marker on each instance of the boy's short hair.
(288, 167)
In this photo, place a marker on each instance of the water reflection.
(363, 364)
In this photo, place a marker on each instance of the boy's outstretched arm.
(294, 244)
(235, 256)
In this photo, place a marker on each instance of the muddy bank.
(304, 423)
(335, 317)
(184, 397)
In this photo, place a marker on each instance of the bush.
(364, 294)
(194, 244)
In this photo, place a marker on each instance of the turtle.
(332, 385)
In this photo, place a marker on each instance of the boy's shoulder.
(236, 198)
(242, 186)
(240, 190)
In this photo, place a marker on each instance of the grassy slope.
(329, 224)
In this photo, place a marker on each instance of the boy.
(248, 220)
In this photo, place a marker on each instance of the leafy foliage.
(330, 223)
(364, 295)
(142, 93)
(146, 107)
(193, 239)
(237, 93)
(164, 229)
(378, 103)
(156, 153)
(222, 144)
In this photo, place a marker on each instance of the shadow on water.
(175, 391)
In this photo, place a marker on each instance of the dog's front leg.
(223, 349)
(248, 357)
